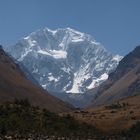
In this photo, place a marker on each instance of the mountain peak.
(62, 36)
(65, 60)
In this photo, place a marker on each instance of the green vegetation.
(20, 118)
(135, 131)
(117, 105)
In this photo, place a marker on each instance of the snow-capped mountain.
(64, 60)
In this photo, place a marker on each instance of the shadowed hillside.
(123, 82)
(14, 84)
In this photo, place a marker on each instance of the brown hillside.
(118, 116)
(123, 82)
(126, 86)
(13, 84)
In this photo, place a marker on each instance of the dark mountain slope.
(123, 82)
(14, 84)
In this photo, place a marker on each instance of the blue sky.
(114, 23)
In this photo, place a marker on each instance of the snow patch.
(117, 58)
(79, 78)
(52, 31)
(24, 54)
(97, 81)
(44, 52)
(77, 40)
(27, 37)
(44, 86)
(67, 70)
(51, 78)
(57, 54)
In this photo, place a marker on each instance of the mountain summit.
(64, 60)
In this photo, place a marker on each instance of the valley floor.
(117, 116)
(117, 121)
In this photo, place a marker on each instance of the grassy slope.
(113, 117)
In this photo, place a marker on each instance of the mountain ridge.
(64, 60)
(123, 82)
